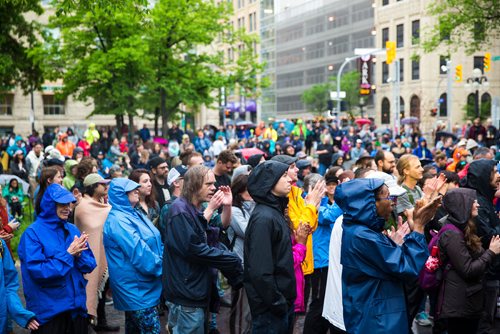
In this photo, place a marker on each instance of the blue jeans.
(186, 320)
(270, 323)
(322, 169)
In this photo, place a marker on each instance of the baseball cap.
(303, 163)
(286, 159)
(176, 173)
(462, 142)
(359, 141)
(48, 149)
(93, 179)
(389, 181)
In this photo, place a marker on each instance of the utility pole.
(449, 92)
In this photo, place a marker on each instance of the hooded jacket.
(374, 267)
(69, 180)
(487, 222)
(463, 288)
(269, 269)
(422, 152)
(134, 251)
(11, 150)
(53, 279)
(10, 304)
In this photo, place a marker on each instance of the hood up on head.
(458, 204)
(478, 177)
(262, 180)
(117, 194)
(68, 165)
(356, 198)
(55, 193)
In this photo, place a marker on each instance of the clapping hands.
(78, 245)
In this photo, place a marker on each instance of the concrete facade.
(304, 43)
(423, 92)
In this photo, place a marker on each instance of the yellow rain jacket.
(300, 212)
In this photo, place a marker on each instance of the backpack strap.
(408, 191)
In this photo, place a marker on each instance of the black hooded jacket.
(487, 222)
(269, 273)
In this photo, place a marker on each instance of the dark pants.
(101, 306)
(64, 324)
(314, 322)
(307, 290)
(487, 321)
(16, 209)
(414, 296)
(268, 323)
(462, 325)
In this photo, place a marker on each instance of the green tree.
(101, 54)
(18, 65)
(315, 98)
(188, 68)
(474, 21)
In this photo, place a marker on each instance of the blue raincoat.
(10, 304)
(53, 279)
(374, 267)
(134, 252)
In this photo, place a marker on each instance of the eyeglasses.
(393, 199)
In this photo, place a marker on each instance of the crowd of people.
(343, 225)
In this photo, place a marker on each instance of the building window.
(443, 106)
(400, 35)
(415, 69)
(401, 70)
(479, 63)
(415, 106)
(415, 32)
(250, 22)
(52, 106)
(6, 102)
(385, 2)
(401, 108)
(386, 111)
(385, 72)
(385, 36)
(442, 64)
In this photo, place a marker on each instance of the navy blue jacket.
(188, 259)
(53, 279)
(374, 267)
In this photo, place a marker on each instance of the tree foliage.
(315, 98)
(18, 66)
(474, 21)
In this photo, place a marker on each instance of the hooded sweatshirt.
(269, 268)
(52, 278)
(69, 180)
(134, 251)
(463, 287)
(487, 222)
(374, 267)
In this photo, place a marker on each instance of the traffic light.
(458, 73)
(390, 49)
(487, 62)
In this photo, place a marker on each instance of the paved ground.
(117, 318)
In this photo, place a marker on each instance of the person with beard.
(386, 162)
(189, 261)
(159, 169)
(483, 177)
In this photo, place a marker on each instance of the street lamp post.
(361, 105)
(475, 83)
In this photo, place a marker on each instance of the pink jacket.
(299, 254)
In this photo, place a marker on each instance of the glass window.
(442, 62)
(415, 69)
(52, 106)
(401, 70)
(443, 106)
(400, 37)
(479, 63)
(385, 2)
(415, 32)
(6, 102)
(386, 111)
(385, 36)
(385, 72)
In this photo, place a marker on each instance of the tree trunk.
(119, 124)
(157, 116)
(130, 127)
(164, 113)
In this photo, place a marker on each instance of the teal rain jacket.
(53, 279)
(134, 252)
(374, 267)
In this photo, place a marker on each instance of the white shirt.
(333, 310)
